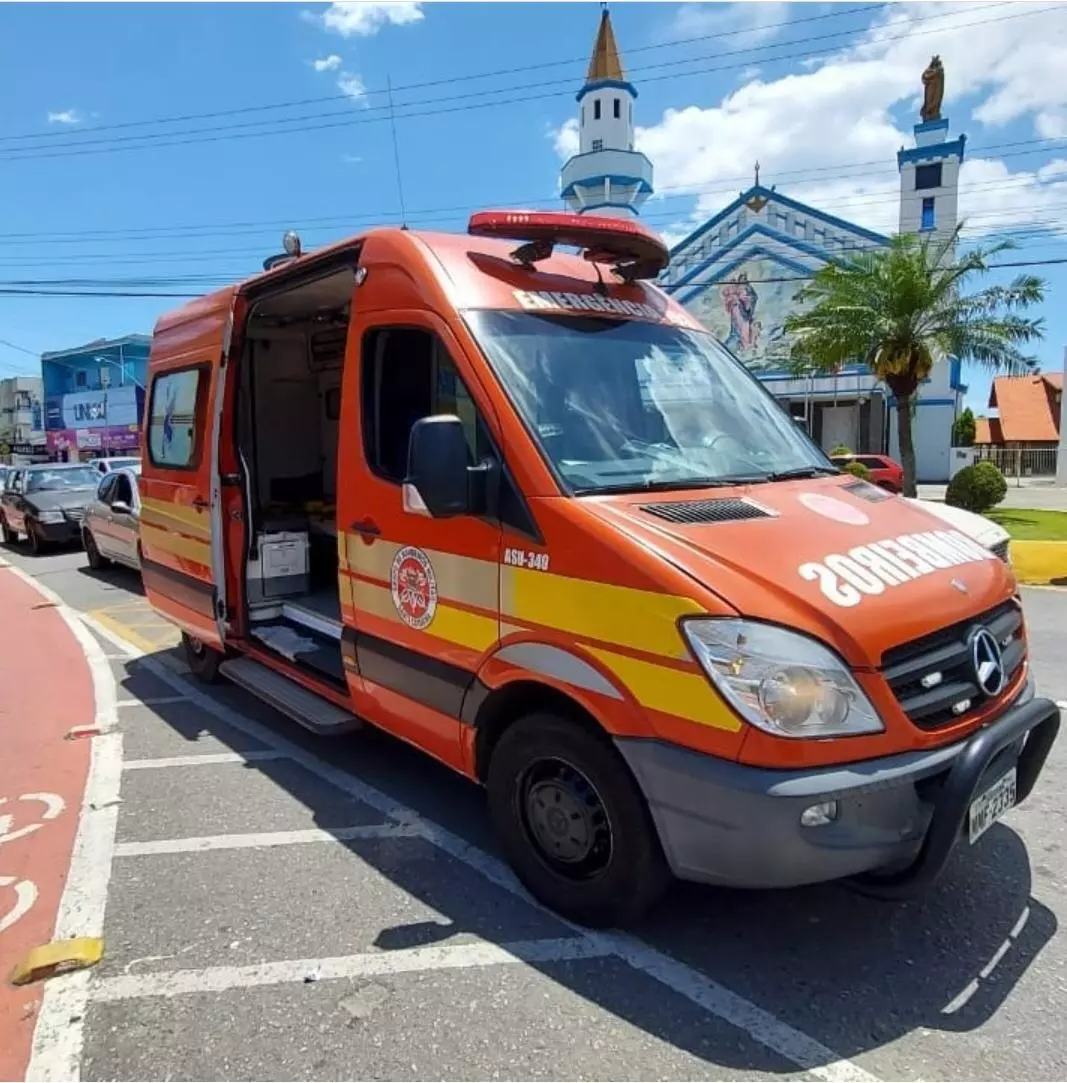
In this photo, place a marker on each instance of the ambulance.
(500, 496)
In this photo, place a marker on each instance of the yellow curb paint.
(1038, 561)
(141, 642)
(59, 957)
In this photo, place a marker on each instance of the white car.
(123, 462)
(982, 530)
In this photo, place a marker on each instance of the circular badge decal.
(829, 507)
(414, 587)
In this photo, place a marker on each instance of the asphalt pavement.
(282, 906)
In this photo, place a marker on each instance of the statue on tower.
(933, 90)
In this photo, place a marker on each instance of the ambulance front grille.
(721, 510)
(934, 677)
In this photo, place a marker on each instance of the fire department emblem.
(414, 587)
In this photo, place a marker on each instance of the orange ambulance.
(500, 496)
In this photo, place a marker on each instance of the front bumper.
(66, 530)
(898, 819)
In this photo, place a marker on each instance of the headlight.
(781, 681)
(49, 517)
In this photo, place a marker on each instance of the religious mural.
(747, 312)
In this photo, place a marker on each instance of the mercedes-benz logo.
(988, 662)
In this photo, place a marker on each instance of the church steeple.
(606, 176)
(605, 63)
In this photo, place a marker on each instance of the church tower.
(607, 176)
(930, 171)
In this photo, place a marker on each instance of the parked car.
(121, 462)
(884, 471)
(46, 502)
(112, 525)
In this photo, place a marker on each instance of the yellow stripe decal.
(687, 695)
(189, 519)
(640, 619)
(467, 629)
(153, 537)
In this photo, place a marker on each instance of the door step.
(312, 711)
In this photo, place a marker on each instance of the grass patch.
(1028, 524)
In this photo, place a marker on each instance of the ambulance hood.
(837, 558)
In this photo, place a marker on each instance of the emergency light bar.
(631, 249)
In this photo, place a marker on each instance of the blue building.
(94, 397)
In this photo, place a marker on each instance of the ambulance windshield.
(626, 405)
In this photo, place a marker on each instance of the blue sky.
(821, 94)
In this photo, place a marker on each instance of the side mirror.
(120, 507)
(438, 470)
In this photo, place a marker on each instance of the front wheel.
(96, 561)
(203, 661)
(35, 538)
(573, 823)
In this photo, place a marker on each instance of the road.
(284, 907)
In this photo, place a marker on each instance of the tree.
(964, 429)
(901, 308)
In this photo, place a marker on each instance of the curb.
(1039, 562)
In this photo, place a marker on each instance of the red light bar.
(630, 248)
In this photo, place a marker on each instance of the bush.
(840, 450)
(977, 488)
(964, 429)
(858, 469)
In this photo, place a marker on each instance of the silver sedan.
(112, 525)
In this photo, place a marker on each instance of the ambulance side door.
(421, 594)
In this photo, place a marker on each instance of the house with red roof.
(1028, 413)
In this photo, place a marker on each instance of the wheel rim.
(565, 819)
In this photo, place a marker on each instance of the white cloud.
(352, 85)
(351, 159)
(64, 116)
(808, 129)
(327, 63)
(363, 18)
(565, 139)
(746, 24)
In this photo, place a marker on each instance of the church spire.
(606, 176)
(605, 63)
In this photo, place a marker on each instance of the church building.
(739, 272)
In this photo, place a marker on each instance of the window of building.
(176, 405)
(81, 378)
(408, 375)
(598, 144)
(779, 220)
(583, 115)
(596, 109)
(618, 109)
(928, 176)
(799, 229)
(819, 236)
(928, 213)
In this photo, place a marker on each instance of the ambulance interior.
(289, 406)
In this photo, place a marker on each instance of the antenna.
(396, 155)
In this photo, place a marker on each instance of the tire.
(203, 661)
(33, 536)
(609, 868)
(96, 561)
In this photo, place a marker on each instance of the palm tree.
(901, 308)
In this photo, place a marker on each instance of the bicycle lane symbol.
(24, 890)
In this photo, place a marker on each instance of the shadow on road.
(851, 972)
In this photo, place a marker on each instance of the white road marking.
(973, 985)
(263, 840)
(53, 806)
(151, 701)
(25, 897)
(206, 758)
(59, 1033)
(217, 979)
(762, 1026)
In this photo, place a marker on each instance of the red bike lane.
(47, 690)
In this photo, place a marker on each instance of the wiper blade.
(661, 486)
(802, 472)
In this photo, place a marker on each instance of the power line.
(218, 133)
(837, 13)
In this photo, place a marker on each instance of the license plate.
(988, 807)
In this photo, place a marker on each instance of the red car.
(884, 471)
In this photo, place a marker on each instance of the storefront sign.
(111, 407)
